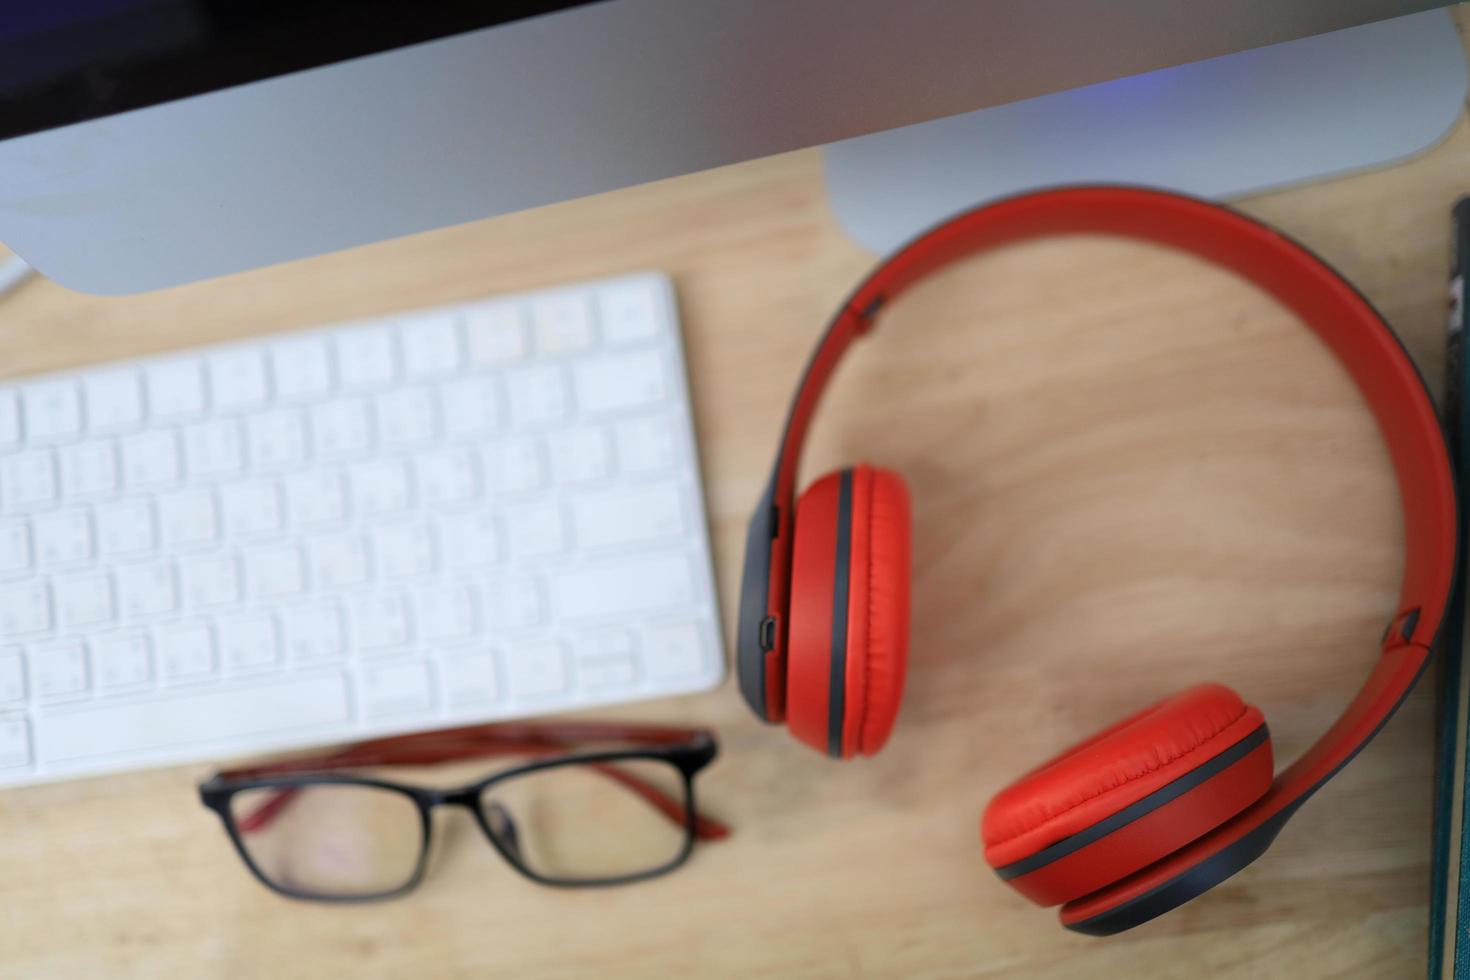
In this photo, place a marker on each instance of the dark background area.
(67, 61)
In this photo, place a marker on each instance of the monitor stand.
(1220, 128)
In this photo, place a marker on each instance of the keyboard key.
(470, 540)
(393, 689)
(189, 518)
(274, 573)
(514, 604)
(495, 334)
(379, 488)
(15, 546)
(622, 588)
(212, 581)
(25, 609)
(469, 680)
(341, 428)
(339, 561)
(12, 675)
(630, 312)
(114, 400)
(299, 705)
(125, 527)
(601, 675)
(60, 669)
(249, 643)
(84, 600)
(185, 651)
(446, 477)
(403, 550)
(276, 438)
(646, 445)
(63, 537)
(253, 509)
(53, 410)
(621, 382)
(213, 448)
(615, 644)
(9, 419)
(302, 368)
(605, 659)
(146, 590)
(580, 455)
(430, 345)
(405, 417)
(15, 743)
(446, 613)
(237, 379)
(314, 633)
(673, 650)
(380, 622)
(122, 660)
(471, 407)
(537, 670)
(536, 529)
(366, 357)
(515, 466)
(633, 515)
(27, 480)
(175, 388)
(150, 459)
(315, 498)
(537, 395)
(88, 468)
(562, 323)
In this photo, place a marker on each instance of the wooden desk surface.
(1131, 473)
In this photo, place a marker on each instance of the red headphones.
(1178, 797)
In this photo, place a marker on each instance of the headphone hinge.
(866, 315)
(1401, 628)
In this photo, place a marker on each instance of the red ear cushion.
(878, 608)
(809, 629)
(1101, 776)
(876, 653)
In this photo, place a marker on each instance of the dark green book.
(1449, 910)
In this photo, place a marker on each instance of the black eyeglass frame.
(688, 759)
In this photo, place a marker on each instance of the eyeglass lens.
(590, 821)
(330, 839)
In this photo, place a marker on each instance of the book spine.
(1449, 911)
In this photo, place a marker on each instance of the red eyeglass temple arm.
(705, 828)
(481, 741)
(450, 744)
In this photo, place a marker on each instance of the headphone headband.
(1339, 315)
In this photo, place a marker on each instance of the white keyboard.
(467, 513)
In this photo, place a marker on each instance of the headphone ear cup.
(1129, 796)
(879, 609)
(847, 639)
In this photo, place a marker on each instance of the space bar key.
(192, 719)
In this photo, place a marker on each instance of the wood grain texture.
(1130, 473)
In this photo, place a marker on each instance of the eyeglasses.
(568, 818)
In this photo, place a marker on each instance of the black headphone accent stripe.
(1168, 793)
(841, 588)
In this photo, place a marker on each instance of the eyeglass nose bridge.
(467, 797)
(496, 821)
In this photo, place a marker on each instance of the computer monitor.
(145, 143)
